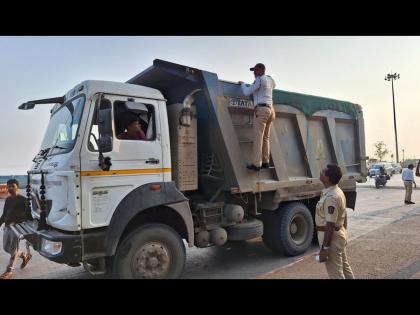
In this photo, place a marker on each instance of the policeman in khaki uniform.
(329, 219)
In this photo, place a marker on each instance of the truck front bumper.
(54, 245)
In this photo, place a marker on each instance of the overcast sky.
(344, 68)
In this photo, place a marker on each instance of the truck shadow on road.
(235, 260)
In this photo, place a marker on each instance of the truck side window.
(130, 125)
(94, 131)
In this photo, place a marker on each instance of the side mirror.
(105, 143)
(105, 130)
(105, 122)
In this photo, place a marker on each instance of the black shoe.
(411, 203)
(253, 167)
(265, 165)
(406, 202)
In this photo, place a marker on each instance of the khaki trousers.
(408, 189)
(337, 264)
(264, 116)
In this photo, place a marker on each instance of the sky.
(340, 67)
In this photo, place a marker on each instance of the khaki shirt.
(331, 207)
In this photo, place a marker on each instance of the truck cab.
(84, 171)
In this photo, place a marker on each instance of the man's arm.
(141, 135)
(248, 90)
(418, 169)
(328, 234)
(2, 216)
(331, 216)
(274, 82)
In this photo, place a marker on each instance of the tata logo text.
(240, 103)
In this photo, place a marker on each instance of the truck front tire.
(152, 251)
(289, 230)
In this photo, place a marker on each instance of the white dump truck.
(131, 207)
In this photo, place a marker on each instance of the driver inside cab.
(133, 130)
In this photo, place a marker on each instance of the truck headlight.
(50, 247)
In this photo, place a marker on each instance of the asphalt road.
(375, 208)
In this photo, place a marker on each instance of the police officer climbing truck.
(124, 205)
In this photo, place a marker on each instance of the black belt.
(262, 105)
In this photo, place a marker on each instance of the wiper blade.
(50, 150)
(58, 147)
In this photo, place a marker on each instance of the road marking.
(283, 267)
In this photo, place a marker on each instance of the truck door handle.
(152, 161)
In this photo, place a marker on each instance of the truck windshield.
(63, 126)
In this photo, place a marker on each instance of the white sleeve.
(248, 90)
(274, 83)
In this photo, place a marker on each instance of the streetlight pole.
(392, 77)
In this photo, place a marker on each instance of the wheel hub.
(298, 229)
(293, 228)
(152, 260)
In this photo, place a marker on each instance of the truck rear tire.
(289, 229)
(152, 251)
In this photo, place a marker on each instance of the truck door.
(135, 162)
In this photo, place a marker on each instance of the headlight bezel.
(51, 247)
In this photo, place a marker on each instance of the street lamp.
(392, 77)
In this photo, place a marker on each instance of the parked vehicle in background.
(3, 191)
(396, 168)
(374, 170)
(407, 162)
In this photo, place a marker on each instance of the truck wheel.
(289, 229)
(152, 251)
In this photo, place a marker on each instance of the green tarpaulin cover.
(310, 104)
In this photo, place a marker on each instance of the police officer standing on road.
(329, 219)
(262, 92)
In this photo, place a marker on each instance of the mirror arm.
(104, 162)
